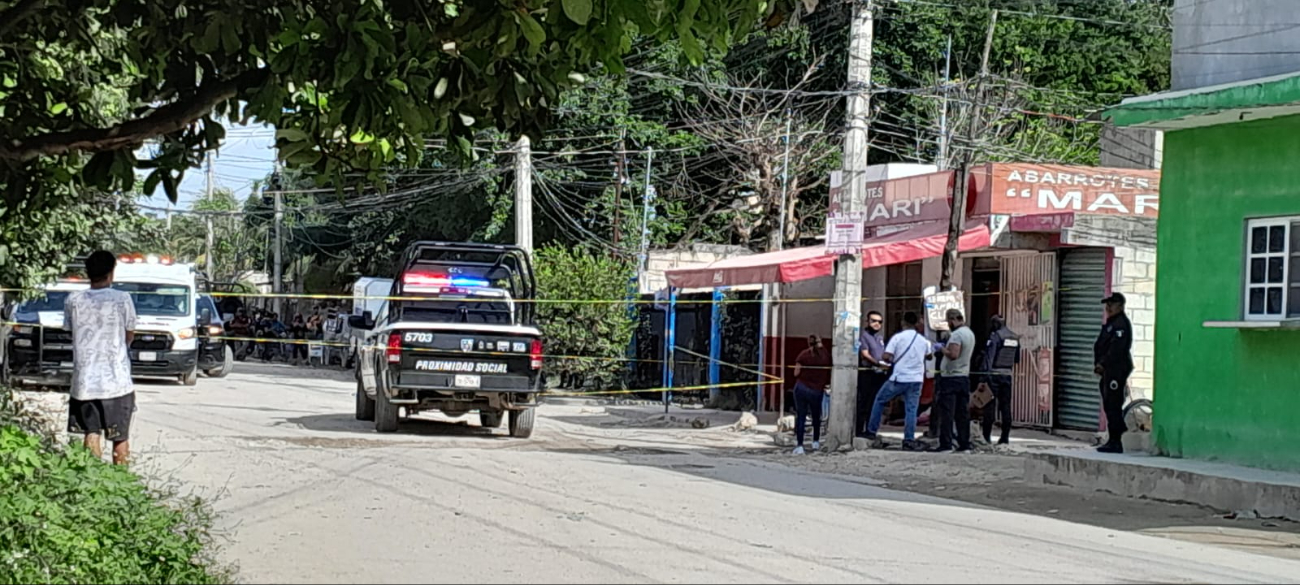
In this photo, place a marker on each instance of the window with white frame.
(1272, 268)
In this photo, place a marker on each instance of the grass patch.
(67, 517)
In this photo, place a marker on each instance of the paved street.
(307, 494)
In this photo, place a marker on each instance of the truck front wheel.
(385, 411)
(521, 422)
(191, 377)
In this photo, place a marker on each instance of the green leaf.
(291, 134)
(578, 11)
(169, 186)
(230, 39)
(151, 182)
(397, 84)
(361, 137)
(58, 108)
(532, 30)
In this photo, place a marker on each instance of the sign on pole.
(844, 232)
(937, 305)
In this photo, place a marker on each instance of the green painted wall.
(1223, 394)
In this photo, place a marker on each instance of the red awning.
(908, 245)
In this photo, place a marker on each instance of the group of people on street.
(274, 339)
(894, 369)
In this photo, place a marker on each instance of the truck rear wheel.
(489, 420)
(365, 404)
(385, 411)
(521, 422)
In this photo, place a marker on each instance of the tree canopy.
(351, 85)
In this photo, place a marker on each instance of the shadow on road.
(416, 425)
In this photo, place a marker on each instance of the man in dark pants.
(1001, 353)
(953, 393)
(871, 376)
(812, 374)
(1114, 363)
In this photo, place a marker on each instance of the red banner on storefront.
(1036, 189)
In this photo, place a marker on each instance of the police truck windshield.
(52, 301)
(160, 300)
(466, 310)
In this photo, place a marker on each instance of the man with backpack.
(1001, 354)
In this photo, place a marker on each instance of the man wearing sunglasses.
(871, 374)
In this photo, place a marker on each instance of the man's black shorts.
(110, 417)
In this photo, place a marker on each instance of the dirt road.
(307, 494)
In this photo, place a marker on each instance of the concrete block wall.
(697, 255)
(1134, 274)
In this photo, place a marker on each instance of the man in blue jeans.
(906, 352)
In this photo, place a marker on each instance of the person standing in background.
(905, 357)
(1001, 354)
(102, 398)
(953, 393)
(812, 373)
(871, 376)
(1113, 354)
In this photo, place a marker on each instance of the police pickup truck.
(451, 337)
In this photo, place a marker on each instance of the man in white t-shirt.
(102, 322)
(906, 353)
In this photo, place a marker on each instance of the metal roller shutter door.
(1083, 285)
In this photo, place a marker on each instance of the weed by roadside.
(67, 517)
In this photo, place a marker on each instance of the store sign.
(1033, 189)
(905, 200)
(937, 305)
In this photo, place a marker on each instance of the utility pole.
(620, 165)
(957, 216)
(943, 114)
(848, 267)
(646, 196)
(278, 278)
(785, 180)
(207, 220)
(524, 195)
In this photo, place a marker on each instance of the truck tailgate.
(465, 360)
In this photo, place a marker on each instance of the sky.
(247, 155)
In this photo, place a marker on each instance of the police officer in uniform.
(1114, 363)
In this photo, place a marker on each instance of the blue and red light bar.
(428, 280)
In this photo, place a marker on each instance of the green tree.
(350, 85)
(586, 326)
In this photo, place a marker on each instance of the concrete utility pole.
(524, 195)
(207, 220)
(646, 196)
(942, 163)
(620, 164)
(278, 280)
(785, 181)
(957, 216)
(848, 268)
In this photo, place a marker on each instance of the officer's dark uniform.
(1113, 352)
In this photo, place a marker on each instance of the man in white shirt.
(102, 322)
(906, 351)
